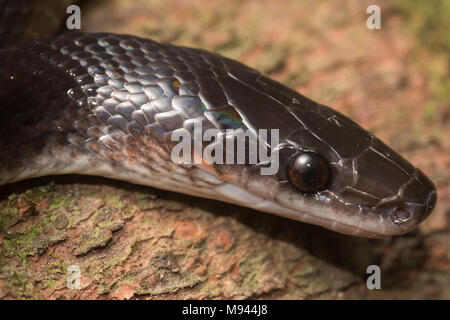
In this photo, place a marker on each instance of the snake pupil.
(309, 172)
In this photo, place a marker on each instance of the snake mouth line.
(237, 195)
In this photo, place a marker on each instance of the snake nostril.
(401, 215)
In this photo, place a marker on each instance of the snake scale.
(107, 104)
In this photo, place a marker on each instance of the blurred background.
(394, 82)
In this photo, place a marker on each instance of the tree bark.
(137, 242)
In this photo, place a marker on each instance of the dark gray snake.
(107, 105)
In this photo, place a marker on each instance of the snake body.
(106, 104)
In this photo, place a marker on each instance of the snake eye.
(309, 172)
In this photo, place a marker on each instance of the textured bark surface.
(137, 242)
(132, 241)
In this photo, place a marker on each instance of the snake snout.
(430, 204)
(418, 200)
(412, 204)
(408, 215)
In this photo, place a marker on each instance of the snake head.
(332, 172)
(335, 174)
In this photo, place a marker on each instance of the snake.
(109, 105)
